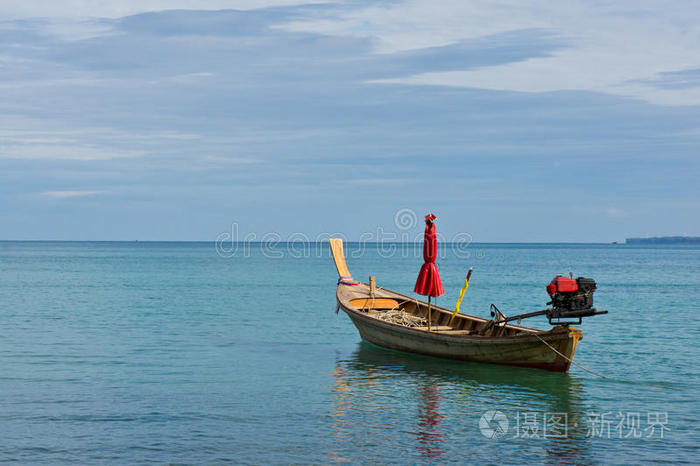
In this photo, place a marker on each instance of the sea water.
(184, 353)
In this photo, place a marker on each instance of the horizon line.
(295, 242)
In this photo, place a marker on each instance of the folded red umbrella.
(428, 282)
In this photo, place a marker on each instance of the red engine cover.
(561, 284)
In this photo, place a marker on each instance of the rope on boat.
(401, 317)
(567, 358)
(347, 281)
(593, 372)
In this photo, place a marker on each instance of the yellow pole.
(461, 295)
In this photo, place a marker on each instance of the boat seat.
(374, 303)
(457, 332)
(435, 328)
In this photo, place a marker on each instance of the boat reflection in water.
(391, 405)
(429, 434)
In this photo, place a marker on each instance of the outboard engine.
(571, 297)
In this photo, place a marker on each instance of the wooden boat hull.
(467, 338)
(525, 351)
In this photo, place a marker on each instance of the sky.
(572, 121)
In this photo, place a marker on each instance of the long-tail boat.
(460, 336)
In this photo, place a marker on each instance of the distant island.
(665, 240)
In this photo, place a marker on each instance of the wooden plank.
(437, 328)
(339, 257)
(376, 303)
(456, 332)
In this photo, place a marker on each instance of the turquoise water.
(169, 352)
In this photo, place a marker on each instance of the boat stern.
(564, 348)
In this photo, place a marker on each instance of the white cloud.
(380, 181)
(36, 151)
(614, 212)
(191, 78)
(39, 139)
(71, 29)
(12, 9)
(67, 194)
(417, 24)
(620, 49)
(74, 20)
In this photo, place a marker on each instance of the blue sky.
(512, 121)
